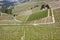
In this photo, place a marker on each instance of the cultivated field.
(40, 32)
(32, 32)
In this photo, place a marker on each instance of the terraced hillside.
(25, 6)
(5, 16)
(32, 32)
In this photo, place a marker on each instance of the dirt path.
(53, 16)
(23, 37)
(26, 13)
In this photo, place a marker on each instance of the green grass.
(10, 33)
(21, 18)
(40, 32)
(50, 12)
(38, 15)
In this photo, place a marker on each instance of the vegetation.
(38, 15)
(57, 15)
(21, 18)
(50, 12)
(38, 32)
(41, 32)
(5, 16)
(32, 32)
(7, 10)
(20, 8)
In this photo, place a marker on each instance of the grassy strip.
(38, 15)
(50, 12)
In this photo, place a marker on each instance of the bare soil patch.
(25, 13)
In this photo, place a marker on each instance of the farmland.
(38, 15)
(25, 6)
(5, 16)
(57, 13)
(39, 32)
(31, 32)
(26, 12)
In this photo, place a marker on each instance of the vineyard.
(38, 15)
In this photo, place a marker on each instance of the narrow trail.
(53, 16)
(30, 12)
(16, 20)
(23, 37)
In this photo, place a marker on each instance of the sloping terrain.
(54, 4)
(32, 32)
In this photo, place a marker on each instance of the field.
(23, 10)
(40, 32)
(30, 32)
(38, 15)
(5, 16)
(57, 15)
(26, 12)
(25, 6)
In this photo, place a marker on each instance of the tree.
(43, 6)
